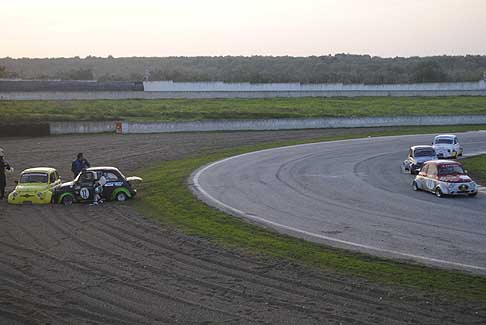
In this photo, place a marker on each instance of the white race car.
(417, 156)
(447, 146)
(444, 177)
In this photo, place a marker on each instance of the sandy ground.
(109, 264)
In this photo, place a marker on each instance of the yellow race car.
(35, 186)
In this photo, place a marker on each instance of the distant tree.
(4, 73)
(79, 74)
(110, 77)
(339, 68)
(429, 71)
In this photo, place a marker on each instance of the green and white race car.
(83, 187)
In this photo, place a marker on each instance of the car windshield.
(33, 178)
(451, 169)
(443, 140)
(424, 152)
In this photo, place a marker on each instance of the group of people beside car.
(77, 166)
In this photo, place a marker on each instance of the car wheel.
(415, 186)
(121, 197)
(67, 200)
(438, 192)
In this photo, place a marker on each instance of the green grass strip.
(160, 110)
(165, 197)
(476, 167)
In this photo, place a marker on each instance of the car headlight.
(15, 194)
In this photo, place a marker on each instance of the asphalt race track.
(352, 194)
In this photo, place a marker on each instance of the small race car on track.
(447, 146)
(444, 177)
(35, 186)
(82, 188)
(417, 156)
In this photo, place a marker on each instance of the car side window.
(86, 178)
(410, 153)
(52, 177)
(110, 177)
(424, 170)
(432, 171)
(455, 141)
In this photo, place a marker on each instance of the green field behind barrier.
(165, 197)
(217, 109)
(476, 167)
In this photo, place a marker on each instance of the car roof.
(47, 170)
(94, 169)
(445, 136)
(421, 147)
(442, 161)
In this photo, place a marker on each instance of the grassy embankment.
(166, 198)
(476, 167)
(217, 109)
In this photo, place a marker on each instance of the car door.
(431, 178)
(54, 180)
(457, 146)
(84, 187)
(409, 161)
(113, 181)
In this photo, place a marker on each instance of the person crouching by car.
(98, 190)
(79, 164)
(4, 166)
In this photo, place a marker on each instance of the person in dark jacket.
(3, 179)
(79, 164)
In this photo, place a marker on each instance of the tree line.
(339, 68)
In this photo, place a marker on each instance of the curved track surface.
(352, 194)
(108, 264)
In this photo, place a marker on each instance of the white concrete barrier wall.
(98, 95)
(288, 124)
(81, 127)
(170, 86)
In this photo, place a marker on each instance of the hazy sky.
(63, 28)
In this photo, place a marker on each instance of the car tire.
(415, 186)
(121, 197)
(438, 192)
(67, 200)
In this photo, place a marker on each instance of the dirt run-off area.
(108, 264)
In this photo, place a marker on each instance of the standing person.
(98, 189)
(3, 179)
(79, 164)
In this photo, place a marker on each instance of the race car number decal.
(84, 193)
(430, 184)
(112, 184)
